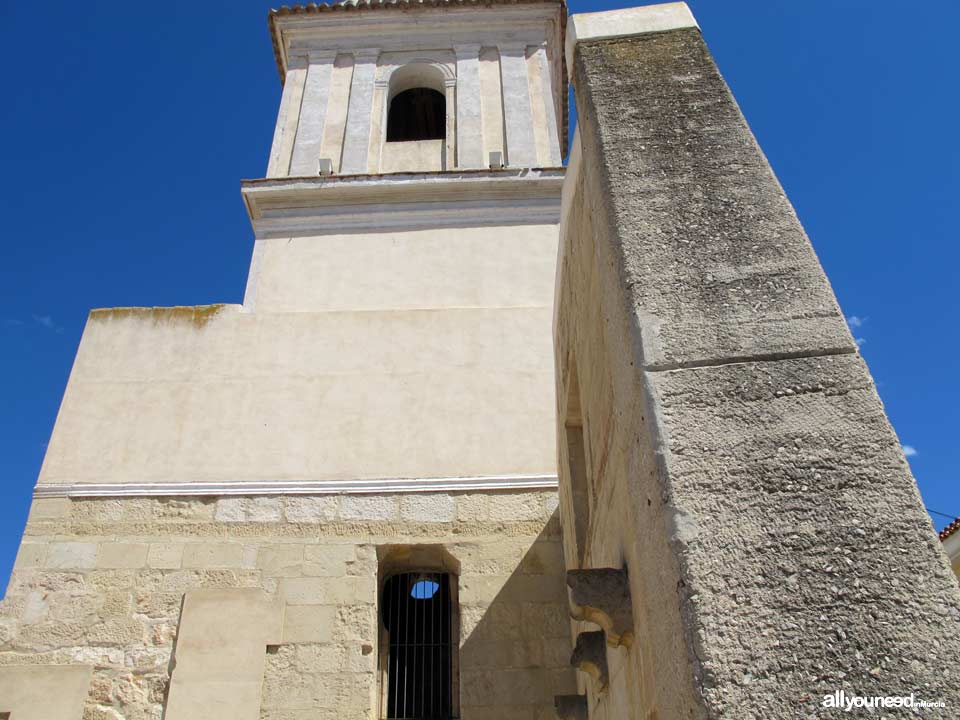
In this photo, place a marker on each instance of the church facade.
(489, 437)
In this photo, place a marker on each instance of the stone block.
(72, 555)
(590, 657)
(265, 509)
(121, 555)
(602, 596)
(327, 560)
(427, 507)
(571, 707)
(231, 509)
(44, 692)
(551, 502)
(309, 624)
(280, 560)
(165, 556)
(472, 507)
(184, 508)
(118, 632)
(31, 555)
(506, 506)
(543, 558)
(311, 509)
(368, 507)
(212, 555)
(221, 653)
(346, 590)
(49, 509)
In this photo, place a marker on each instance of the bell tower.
(410, 216)
(379, 88)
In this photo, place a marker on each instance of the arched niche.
(399, 82)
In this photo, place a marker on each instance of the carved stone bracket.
(590, 656)
(602, 596)
(571, 707)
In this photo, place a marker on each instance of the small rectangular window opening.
(416, 609)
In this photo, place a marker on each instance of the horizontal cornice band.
(300, 487)
(289, 207)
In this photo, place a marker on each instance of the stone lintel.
(628, 22)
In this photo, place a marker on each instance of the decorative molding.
(320, 56)
(367, 54)
(458, 25)
(515, 47)
(292, 207)
(467, 50)
(300, 487)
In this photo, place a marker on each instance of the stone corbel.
(602, 596)
(571, 707)
(590, 656)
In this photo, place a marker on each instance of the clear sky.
(126, 128)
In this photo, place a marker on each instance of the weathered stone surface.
(311, 509)
(427, 507)
(212, 555)
(220, 653)
(368, 507)
(716, 263)
(44, 692)
(571, 707)
(309, 623)
(72, 555)
(165, 556)
(602, 596)
(590, 657)
(739, 460)
(122, 555)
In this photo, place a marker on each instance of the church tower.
(338, 499)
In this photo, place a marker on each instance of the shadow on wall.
(515, 647)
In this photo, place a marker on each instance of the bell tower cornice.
(346, 26)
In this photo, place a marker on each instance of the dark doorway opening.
(416, 610)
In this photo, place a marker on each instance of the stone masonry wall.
(101, 582)
(740, 464)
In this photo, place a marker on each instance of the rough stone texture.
(602, 596)
(571, 707)
(112, 599)
(739, 461)
(717, 266)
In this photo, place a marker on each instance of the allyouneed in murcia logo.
(847, 703)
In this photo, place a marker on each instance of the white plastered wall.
(403, 354)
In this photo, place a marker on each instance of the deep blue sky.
(127, 127)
